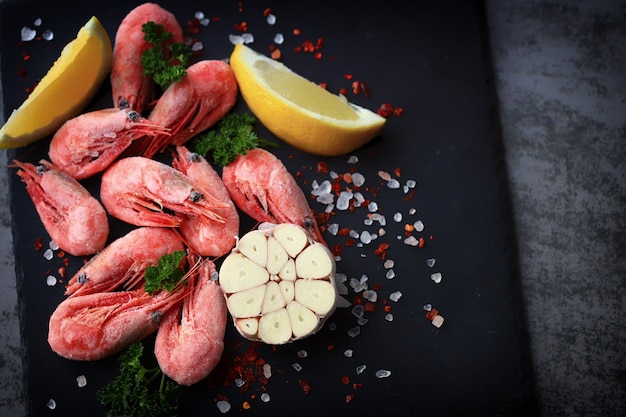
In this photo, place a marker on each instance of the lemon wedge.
(298, 111)
(65, 90)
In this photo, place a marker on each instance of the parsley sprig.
(134, 393)
(166, 274)
(165, 60)
(234, 136)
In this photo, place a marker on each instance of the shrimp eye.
(193, 157)
(307, 223)
(215, 276)
(41, 169)
(156, 316)
(195, 196)
(133, 116)
(82, 278)
(123, 104)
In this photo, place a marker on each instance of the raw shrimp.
(123, 261)
(193, 105)
(145, 192)
(261, 186)
(190, 339)
(73, 218)
(93, 326)
(131, 88)
(89, 143)
(207, 238)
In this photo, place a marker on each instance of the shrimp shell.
(123, 261)
(73, 218)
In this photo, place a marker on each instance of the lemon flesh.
(298, 111)
(65, 90)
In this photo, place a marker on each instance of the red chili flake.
(370, 307)
(421, 243)
(409, 228)
(344, 231)
(38, 244)
(431, 237)
(267, 12)
(356, 87)
(25, 56)
(397, 172)
(381, 249)
(318, 55)
(366, 90)
(322, 167)
(62, 272)
(60, 254)
(356, 385)
(66, 261)
(323, 85)
(349, 398)
(357, 300)
(320, 43)
(241, 27)
(276, 54)
(246, 405)
(193, 26)
(306, 387)
(377, 286)
(297, 31)
(385, 110)
(21, 72)
(408, 196)
(387, 308)
(348, 76)
(240, 7)
(398, 111)
(343, 91)
(330, 347)
(430, 315)
(350, 242)
(337, 250)
(345, 380)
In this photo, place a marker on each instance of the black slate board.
(433, 61)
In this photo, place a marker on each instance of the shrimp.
(145, 192)
(73, 218)
(261, 186)
(89, 143)
(94, 326)
(190, 339)
(123, 261)
(207, 238)
(193, 105)
(131, 89)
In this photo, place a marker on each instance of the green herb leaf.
(166, 274)
(234, 136)
(165, 60)
(135, 391)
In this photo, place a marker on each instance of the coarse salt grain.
(389, 317)
(348, 353)
(239, 382)
(247, 38)
(411, 241)
(431, 262)
(302, 353)
(353, 159)
(358, 179)
(383, 373)
(437, 321)
(223, 406)
(428, 307)
(388, 264)
(354, 332)
(384, 175)
(279, 39)
(48, 254)
(37, 22)
(51, 404)
(393, 184)
(360, 369)
(390, 274)
(370, 295)
(397, 217)
(27, 34)
(395, 296)
(81, 380)
(296, 366)
(51, 280)
(436, 277)
(47, 35)
(271, 19)
(267, 370)
(199, 15)
(235, 39)
(419, 226)
(265, 397)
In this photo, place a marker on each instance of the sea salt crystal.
(358, 179)
(47, 35)
(358, 311)
(395, 296)
(27, 34)
(199, 15)
(333, 228)
(366, 237)
(419, 226)
(279, 39)
(267, 370)
(239, 382)
(348, 353)
(48, 254)
(354, 332)
(428, 307)
(51, 404)
(411, 241)
(205, 21)
(437, 321)
(411, 183)
(343, 202)
(296, 366)
(235, 39)
(353, 159)
(372, 207)
(436, 277)
(390, 274)
(389, 263)
(37, 22)
(362, 321)
(302, 353)
(412, 211)
(329, 208)
(382, 373)
(197, 46)
(320, 189)
(370, 295)
(271, 19)
(389, 317)
(359, 199)
(265, 397)
(431, 262)
(393, 183)
(397, 217)
(223, 406)
(327, 198)
(51, 281)
(81, 380)
(247, 38)
(360, 369)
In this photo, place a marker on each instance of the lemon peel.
(298, 111)
(68, 86)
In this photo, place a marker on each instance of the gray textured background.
(560, 71)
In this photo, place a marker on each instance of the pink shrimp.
(207, 238)
(190, 340)
(94, 326)
(145, 192)
(130, 87)
(75, 220)
(193, 105)
(123, 262)
(89, 143)
(261, 186)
